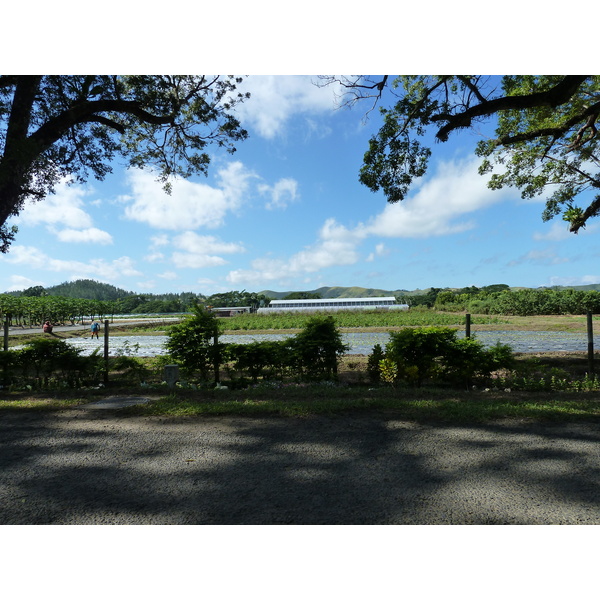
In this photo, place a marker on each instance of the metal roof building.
(334, 304)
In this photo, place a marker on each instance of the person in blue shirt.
(95, 327)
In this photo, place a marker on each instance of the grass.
(42, 404)
(428, 404)
(434, 405)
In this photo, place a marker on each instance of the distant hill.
(586, 288)
(337, 292)
(82, 288)
(88, 289)
(95, 290)
(360, 292)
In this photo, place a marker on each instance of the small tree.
(195, 343)
(317, 348)
(373, 364)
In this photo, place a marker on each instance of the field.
(354, 392)
(359, 320)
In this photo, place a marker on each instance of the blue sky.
(286, 212)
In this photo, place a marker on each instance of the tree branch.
(590, 113)
(591, 211)
(56, 127)
(555, 96)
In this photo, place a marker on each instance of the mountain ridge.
(95, 290)
(360, 292)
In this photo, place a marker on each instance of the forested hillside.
(123, 302)
(88, 289)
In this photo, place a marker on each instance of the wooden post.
(590, 336)
(468, 325)
(6, 319)
(216, 357)
(106, 352)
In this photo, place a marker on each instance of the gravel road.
(97, 467)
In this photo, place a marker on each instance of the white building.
(333, 304)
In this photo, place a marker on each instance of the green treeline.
(97, 300)
(35, 310)
(524, 302)
(122, 301)
(85, 299)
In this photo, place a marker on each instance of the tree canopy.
(546, 137)
(55, 127)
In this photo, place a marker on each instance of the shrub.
(317, 349)
(436, 353)
(194, 343)
(373, 363)
(43, 358)
(312, 354)
(8, 367)
(259, 359)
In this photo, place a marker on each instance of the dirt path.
(96, 467)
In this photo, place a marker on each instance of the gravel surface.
(96, 467)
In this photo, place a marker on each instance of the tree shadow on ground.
(321, 470)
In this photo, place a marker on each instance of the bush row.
(312, 354)
(435, 353)
(526, 302)
(49, 363)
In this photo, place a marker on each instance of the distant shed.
(333, 304)
(231, 311)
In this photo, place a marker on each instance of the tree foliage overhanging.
(58, 127)
(546, 138)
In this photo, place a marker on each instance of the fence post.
(106, 352)
(216, 356)
(468, 325)
(590, 336)
(6, 318)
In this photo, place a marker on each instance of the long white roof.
(336, 300)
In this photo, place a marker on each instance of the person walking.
(95, 327)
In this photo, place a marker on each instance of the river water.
(360, 343)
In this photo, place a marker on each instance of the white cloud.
(199, 251)
(203, 244)
(559, 231)
(65, 209)
(275, 99)
(18, 282)
(168, 275)
(154, 257)
(196, 261)
(437, 207)
(281, 194)
(585, 280)
(160, 240)
(61, 208)
(439, 204)
(539, 257)
(191, 205)
(336, 247)
(380, 250)
(93, 235)
(98, 268)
